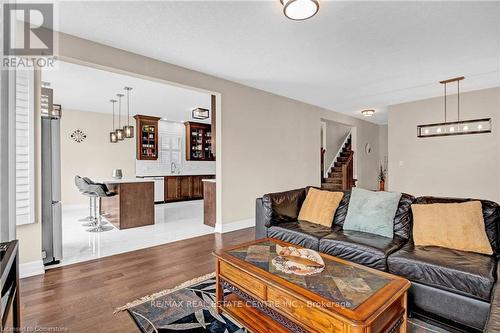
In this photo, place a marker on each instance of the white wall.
(335, 135)
(457, 166)
(95, 157)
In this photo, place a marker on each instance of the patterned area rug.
(190, 308)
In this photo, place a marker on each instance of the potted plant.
(382, 174)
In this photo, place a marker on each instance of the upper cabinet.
(199, 142)
(147, 137)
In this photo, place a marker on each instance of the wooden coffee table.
(344, 297)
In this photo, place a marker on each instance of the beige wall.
(335, 135)
(267, 142)
(460, 166)
(95, 157)
(383, 144)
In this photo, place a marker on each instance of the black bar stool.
(100, 191)
(82, 186)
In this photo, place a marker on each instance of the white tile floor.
(173, 221)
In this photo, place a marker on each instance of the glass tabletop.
(343, 285)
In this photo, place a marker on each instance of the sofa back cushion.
(490, 215)
(283, 206)
(319, 206)
(372, 212)
(458, 226)
(402, 219)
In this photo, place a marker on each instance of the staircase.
(341, 176)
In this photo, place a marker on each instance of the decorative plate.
(291, 267)
(78, 136)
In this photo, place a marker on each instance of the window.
(170, 145)
(25, 146)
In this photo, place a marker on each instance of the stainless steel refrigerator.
(51, 191)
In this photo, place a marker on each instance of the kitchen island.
(133, 204)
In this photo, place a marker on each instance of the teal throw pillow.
(372, 212)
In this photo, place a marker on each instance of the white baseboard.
(233, 226)
(31, 268)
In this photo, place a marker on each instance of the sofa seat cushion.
(467, 273)
(302, 233)
(360, 247)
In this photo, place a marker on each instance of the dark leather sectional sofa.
(450, 285)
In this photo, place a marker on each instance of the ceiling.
(351, 55)
(88, 89)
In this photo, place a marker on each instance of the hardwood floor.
(82, 297)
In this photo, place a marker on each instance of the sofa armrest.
(260, 223)
(282, 207)
(493, 322)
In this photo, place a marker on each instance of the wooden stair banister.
(347, 172)
(340, 175)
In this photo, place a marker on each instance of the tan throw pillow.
(458, 226)
(320, 206)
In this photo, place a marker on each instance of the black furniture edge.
(9, 286)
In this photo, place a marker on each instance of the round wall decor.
(78, 135)
(368, 149)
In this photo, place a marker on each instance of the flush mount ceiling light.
(459, 127)
(368, 112)
(299, 10)
(200, 113)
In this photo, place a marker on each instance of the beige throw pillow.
(458, 226)
(320, 206)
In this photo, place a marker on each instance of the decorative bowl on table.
(292, 260)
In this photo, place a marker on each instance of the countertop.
(178, 175)
(127, 180)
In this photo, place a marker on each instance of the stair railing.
(326, 171)
(348, 172)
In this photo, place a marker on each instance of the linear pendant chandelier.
(459, 127)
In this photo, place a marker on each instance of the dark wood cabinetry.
(199, 142)
(147, 137)
(182, 188)
(198, 185)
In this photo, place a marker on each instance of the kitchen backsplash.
(172, 148)
(154, 168)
